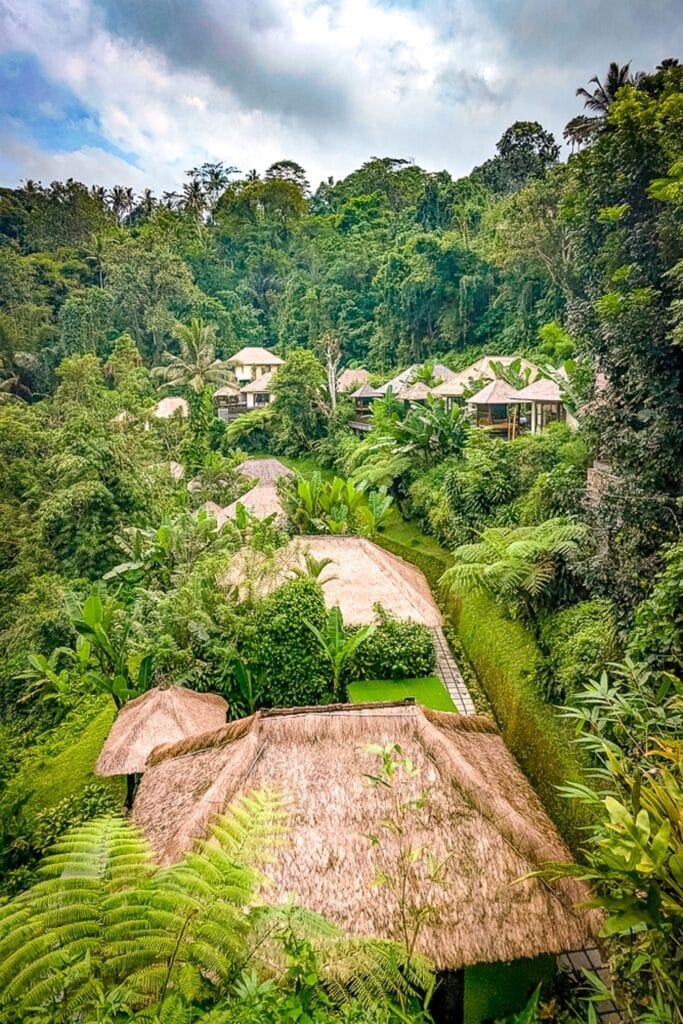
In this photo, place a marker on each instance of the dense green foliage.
(106, 932)
(395, 650)
(115, 576)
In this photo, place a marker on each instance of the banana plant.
(337, 645)
(104, 624)
(377, 510)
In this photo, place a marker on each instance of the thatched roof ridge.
(262, 499)
(417, 392)
(542, 390)
(164, 714)
(367, 391)
(349, 379)
(483, 819)
(235, 730)
(495, 393)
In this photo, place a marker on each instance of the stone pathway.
(590, 959)
(449, 674)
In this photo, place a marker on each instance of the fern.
(106, 933)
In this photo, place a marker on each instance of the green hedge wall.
(504, 656)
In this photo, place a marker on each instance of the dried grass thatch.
(495, 393)
(262, 500)
(482, 816)
(254, 355)
(172, 405)
(418, 392)
(540, 391)
(266, 471)
(164, 714)
(362, 575)
(349, 379)
(260, 385)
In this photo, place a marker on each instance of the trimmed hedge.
(504, 655)
(396, 650)
(297, 673)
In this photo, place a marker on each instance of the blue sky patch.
(45, 113)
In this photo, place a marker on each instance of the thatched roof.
(361, 575)
(161, 715)
(495, 393)
(220, 514)
(483, 818)
(367, 391)
(266, 471)
(415, 392)
(254, 355)
(227, 391)
(176, 470)
(540, 391)
(261, 385)
(406, 377)
(482, 368)
(349, 379)
(170, 406)
(262, 500)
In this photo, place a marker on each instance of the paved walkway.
(449, 674)
(590, 959)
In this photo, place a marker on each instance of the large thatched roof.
(495, 393)
(482, 817)
(361, 574)
(161, 715)
(266, 471)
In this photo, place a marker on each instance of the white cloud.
(324, 82)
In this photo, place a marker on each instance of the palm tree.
(337, 645)
(194, 200)
(118, 198)
(604, 94)
(196, 367)
(147, 202)
(519, 567)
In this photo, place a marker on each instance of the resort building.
(253, 362)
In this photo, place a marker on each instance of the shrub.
(282, 645)
(579, 642)
(396, 650)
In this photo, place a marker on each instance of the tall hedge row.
(504, 655)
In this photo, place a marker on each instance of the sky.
(136, 92)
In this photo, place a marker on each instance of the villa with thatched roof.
(361, 574)
(481, 820)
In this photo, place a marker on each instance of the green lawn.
(429, 691)
(402, 531)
